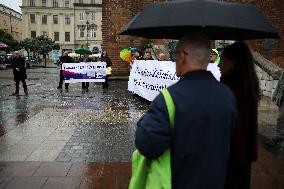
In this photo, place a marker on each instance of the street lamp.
(11, 27)
(88, 28)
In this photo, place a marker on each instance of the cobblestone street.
(76, 139)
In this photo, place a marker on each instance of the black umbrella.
(220, 20)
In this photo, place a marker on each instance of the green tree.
(9, 40)
(43, 45)
(27, 44)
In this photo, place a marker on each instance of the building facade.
(70, 23)
(11, 21)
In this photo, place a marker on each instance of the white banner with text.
(148, 78)
(84, 72)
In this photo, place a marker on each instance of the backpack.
(154, 174)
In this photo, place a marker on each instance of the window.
(32, 18)
(55, 19)
(93, 1)
(81, 32)
(32, 3)
(93, 16)
(33, 34)
(43, 3)
(81, 15)
(67, 36)
(56, 36)
(44, 19)
(93, 32)
(44, 33)
(67, 20)
(55, 3)
(66, 4)
(81, 1)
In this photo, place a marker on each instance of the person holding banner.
(85, 85)
(105, 58)
(162, 57)
(63, 59)
(148, 56)
(205, 116)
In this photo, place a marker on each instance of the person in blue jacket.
(204, 120)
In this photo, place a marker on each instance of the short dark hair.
(148, 52)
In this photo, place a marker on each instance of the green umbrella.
(83, 51)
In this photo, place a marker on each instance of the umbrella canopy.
(125, 54)
(83, 51)
(3, 45)
(95, 55)
(220, 20)
(73, 55)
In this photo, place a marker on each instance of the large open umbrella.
(82, 51)
(220, 20)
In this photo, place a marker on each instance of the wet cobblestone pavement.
(76, 139)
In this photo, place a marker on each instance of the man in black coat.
(204, 120)
(19, 71)
(63, 59)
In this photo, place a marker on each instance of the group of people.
(85, 85)
(214, 139)
(137, 55)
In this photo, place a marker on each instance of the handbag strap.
(170, 106)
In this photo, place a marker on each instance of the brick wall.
(274, 11)
(117, 13)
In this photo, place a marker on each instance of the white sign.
(84, 72)
(148, 78)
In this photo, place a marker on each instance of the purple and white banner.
(84, 72)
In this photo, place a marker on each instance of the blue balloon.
(133, 48)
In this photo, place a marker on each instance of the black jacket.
(107, 60)
(20, 64)
(200, 142)
(65, 59)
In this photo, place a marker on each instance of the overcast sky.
(14, 4)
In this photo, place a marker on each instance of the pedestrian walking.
(63, 59)
(19, 71)
(204, 120)
(105, 58)
(239, 75)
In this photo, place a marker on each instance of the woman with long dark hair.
(238, 73)
(105, 58)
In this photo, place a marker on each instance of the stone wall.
(268, 74)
